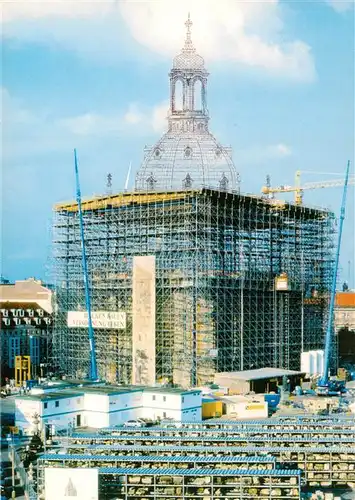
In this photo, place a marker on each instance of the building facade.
(344, 324)
(229, 281)
(26, 325)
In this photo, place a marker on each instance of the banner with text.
(100, 319)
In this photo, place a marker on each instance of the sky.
(94, 76)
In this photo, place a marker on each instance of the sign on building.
(143, 320)
(100, 319)
(62, 483)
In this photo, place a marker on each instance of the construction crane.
(93, 365)
(298, 189)
(327, 387)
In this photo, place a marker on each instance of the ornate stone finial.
(151, 181)
(187, 182)
(188, 42)
(223, 183)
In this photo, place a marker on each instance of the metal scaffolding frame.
(218, 256)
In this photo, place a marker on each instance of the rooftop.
(30, 290)
(68, 389)
(345, 299)
(259, 374)
(51, 396)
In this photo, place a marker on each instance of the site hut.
(105, 406)
(244, 407)
(260, 381)
(60, 410)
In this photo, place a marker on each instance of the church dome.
(186, 60)
(188, 156)
(187, 161)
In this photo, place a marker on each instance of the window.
(45, 406)
(182, 399)
(188, 152)
(153, 398)
(164, 398)
(56, 404)
(198, 95)
(164, 414)
(178, 96)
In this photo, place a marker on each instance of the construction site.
(193, 341)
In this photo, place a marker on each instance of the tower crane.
(298, 189)
(327, 387)
(93, 374)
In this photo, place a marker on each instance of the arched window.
(198, 95)
(179, 92)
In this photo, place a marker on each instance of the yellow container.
(212, 409)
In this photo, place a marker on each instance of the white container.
(307, 361)
(320, 361)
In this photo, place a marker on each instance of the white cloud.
(90, 124)
(249, 32)
(136, 120)
(279, 150)
(159, 117)
(13, 10)
(260, 154)
(27, 132)
(341, 5)
(133, 115)
(12, 110)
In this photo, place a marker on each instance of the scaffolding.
(220, 258)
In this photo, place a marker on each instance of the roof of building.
(259, 374)
(345, 299)
(199, 472)
(255, 398)
(206, 449)
(171, 390)
(121, 389)
(256, 430)
(30, 290)
(157, 458)
(108, 390)
(50, 396)
(68, 389)
(224, 439)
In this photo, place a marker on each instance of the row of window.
(46, 405)
(56, 403)
(164, 398)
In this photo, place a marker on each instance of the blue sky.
(93, 75)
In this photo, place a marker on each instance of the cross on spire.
(188, 25)
(188, 42)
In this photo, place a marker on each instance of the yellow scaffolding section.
(122, 199)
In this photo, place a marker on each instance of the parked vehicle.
(170, 422)
(134, 423)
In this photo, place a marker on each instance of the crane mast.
(93, 365)
(324, 385)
